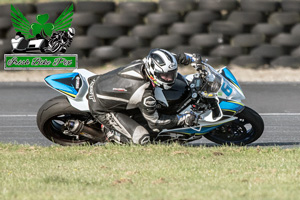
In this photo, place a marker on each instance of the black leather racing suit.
(128, 88)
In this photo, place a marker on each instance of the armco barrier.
(248, 33)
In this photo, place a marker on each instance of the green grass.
(150, 172)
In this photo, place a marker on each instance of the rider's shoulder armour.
(133, 71)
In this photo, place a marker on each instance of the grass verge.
(148, 172)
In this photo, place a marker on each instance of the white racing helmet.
(161, 68)
(71, 32)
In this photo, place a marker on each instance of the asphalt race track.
(278, 103)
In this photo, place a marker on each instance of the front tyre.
(246, 129)
(51, 117)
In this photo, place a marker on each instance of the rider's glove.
(186, 59)
(186, 119)
(196, 58)
(183, 59)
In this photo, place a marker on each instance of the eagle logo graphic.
(49, 37)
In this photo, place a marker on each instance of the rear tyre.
(246, 129)
(53, 114)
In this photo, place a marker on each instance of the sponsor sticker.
(120, 89)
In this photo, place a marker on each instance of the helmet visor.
(167, 77)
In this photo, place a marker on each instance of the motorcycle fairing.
(68, 83)
(204, 127)
(193, 131)
(229, 76)
(231, 107)
(230, 90)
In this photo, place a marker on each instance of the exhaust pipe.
(76, 127)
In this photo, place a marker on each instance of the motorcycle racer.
(60, 41)
(133, 86)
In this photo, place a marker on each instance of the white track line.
(17, 115)
(18, 126)
(263, 114)
(279, 114)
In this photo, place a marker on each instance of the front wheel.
(246, 129)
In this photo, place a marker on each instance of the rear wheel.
(52, 116)
(246, 129)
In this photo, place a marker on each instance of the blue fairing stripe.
(53, 81)
(72, 95)
(204, 129)
(231, 77)
(232, 106)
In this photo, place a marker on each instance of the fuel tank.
(176, 96)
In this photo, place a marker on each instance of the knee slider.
(140, 136)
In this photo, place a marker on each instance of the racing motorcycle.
(214, 96)
(60, 41)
